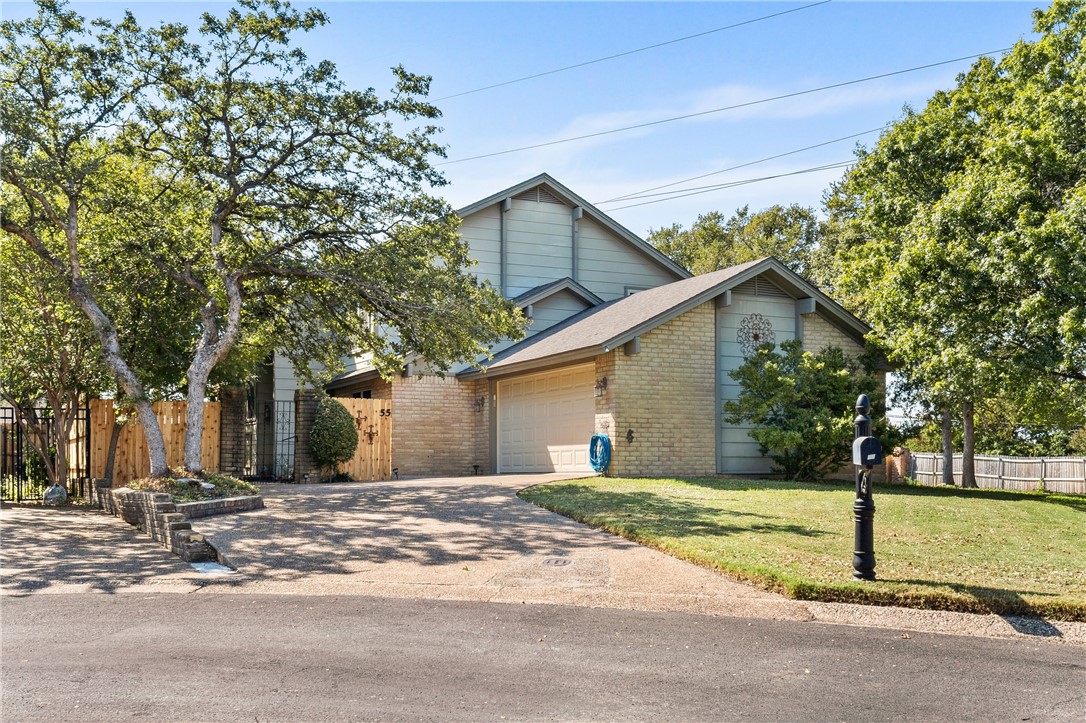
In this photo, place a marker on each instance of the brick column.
(232, 431)
(305, 411)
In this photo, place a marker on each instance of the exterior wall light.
(601, 387)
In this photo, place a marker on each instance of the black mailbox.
(866, 451)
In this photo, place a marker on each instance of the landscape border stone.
(166, 522)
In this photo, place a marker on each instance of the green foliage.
(1005, 428)
(36, 471)
(225, 486)
(333, 438)
(788, 233)
(964, 228)
(207, 196)
(803, 406)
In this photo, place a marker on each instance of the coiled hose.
(599, 452)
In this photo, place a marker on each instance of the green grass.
(936, 548)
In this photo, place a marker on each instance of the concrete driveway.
(463, 538)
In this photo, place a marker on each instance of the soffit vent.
(760, 286)
(539, 194)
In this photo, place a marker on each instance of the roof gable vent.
(539, 194)
(760, 286)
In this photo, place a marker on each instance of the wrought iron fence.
(269, 441)
(23, 475)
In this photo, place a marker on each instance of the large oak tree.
(317, 213)
(966, 227)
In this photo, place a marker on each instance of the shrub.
(225, 486)
(333, 437)
(803, 405)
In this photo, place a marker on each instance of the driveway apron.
(462, 539)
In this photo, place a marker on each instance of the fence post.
(1044, 473)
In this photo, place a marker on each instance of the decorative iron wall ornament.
(754, 331)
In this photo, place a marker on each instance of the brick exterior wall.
(305, 411)
(666, 394)
(481, 424)
(819, 334)
(232, 431)
(606, 411)
(436, 429)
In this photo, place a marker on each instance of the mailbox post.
(866, 452)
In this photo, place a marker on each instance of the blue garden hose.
(599, 452)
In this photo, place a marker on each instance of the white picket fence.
(1052, 474)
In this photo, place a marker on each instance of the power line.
(630, 52)
(721, 110)
(646, 192)
(733, 184)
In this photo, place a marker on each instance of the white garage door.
(545, 421)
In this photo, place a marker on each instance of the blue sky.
(469, 45)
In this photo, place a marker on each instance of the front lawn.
(940, 548)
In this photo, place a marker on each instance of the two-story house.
(622, 341)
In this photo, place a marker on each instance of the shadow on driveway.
(352, 528)
(47, 549)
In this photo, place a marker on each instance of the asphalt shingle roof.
(600, 328)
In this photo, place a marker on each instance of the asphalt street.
(442, 600)
(100, 657)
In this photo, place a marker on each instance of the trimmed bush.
(333, 437)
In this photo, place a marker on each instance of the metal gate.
(269, 441)
(23, 475)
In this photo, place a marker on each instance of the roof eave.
(549, 290)
(538, 364)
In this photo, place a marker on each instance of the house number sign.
(754, 330)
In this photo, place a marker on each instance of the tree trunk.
(111, 455)
(969, 477)
(194, 425)
(211, 350)
(61, 434)
(948, 447)
(39, 439)
(126, 378)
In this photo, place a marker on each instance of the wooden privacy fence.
(1052, 474)
(133, 460)
(373, 457)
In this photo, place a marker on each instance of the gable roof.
(572, 199)
(600, 329)
(543, 291)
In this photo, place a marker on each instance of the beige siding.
(482, 233)
(608, 265)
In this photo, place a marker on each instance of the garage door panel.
(545, 422)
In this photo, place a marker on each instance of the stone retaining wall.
(167, 522)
